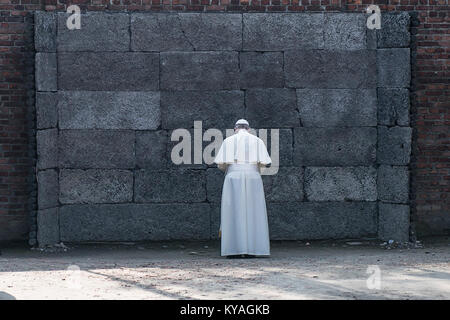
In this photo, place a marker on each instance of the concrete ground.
(195, 270)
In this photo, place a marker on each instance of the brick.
(337, 107)
(214, 184)
(344, 31)
(47, 189)
(285, 186)
(46, 110)
(261, 69)
(45, 76)
(393, 184)
(44, 31)
(151, 149)
(393, 68)
(394, 145)
(47, 148)
(393, 222)
(394, 32)
(109, 110)
(393, 106)
(48, 227)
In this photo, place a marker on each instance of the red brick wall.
(430, 96)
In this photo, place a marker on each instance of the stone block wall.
(109, 95)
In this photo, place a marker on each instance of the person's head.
(241, 124)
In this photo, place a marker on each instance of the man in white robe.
(244, 228)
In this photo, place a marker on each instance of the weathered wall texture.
(109, 95)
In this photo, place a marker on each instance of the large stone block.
(199, 70)
(393, 68)
(394, 145)
(46, 110)
(109, 110)
(393, 106)
(334, 69)
(337, 107)
(394, 32)
(335, 146)
(95, 186)
(99, 31)
(44, 31)
(344, 31)
(261, 69)
(170, 186)
(96, 149)
(393, 184)
(48, 227)
(103, 71)
(47, 148)
(186, 31)
(48, 189)
(341, 183)
(45, 74)
(134, 222)
(271, 108)
(214, 184)
(393, 222)
(285, 186)
(151, 149)
(285, 147)
(216, 109)
(281, 31)
(322, 220)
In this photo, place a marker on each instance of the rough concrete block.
(96, 149)
(393, 184)
(333, 69)
(44, 31)
(216, 109)
(285, 186)
(393, 106)
(170, 186)
(95, 186)
(322, 220)
(394, 32)
(214, 184)
(337, 107)
(134, 222)
(48, 189)
(48, 227)
(286, 147)
(393, 68)
(344, 31)
(109, 110)
(101, 71)
(199, 70)
(341, 183)
(394, 145)
(281, 31)
(45, 74)
(334, 146)
(151, 149)
(46, 110)
(271, 108)
(47, 148)
(393, 222)
(261, 70)
(100, 31)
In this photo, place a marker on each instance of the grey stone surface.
(344, 31)
(337, 107)
(394, 145)
(109, 110)
(393, 184)
(285, 186)
(341, 183)
(334, 69)
(186, 31)
(44, 31)
(103, 71)
(180, 141)
(322, 220)
(96, 149)
(393, 68)
(48, 227)
(46, 70)
(285, 147)
(95, 186)
(261, 69)
(169, 186)
(271, 108)
(393, 222)
(216, 109)
(394, 32)
(47, 148)
(281, 31)
(46, 110)
(393, 106)
(214, 184)
(334, 146)
(47, 189)
(151, 149)
(199, 70)
(133, 222)
(100, 31)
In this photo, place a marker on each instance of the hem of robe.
(246, 252)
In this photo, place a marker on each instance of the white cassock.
(244, 227)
